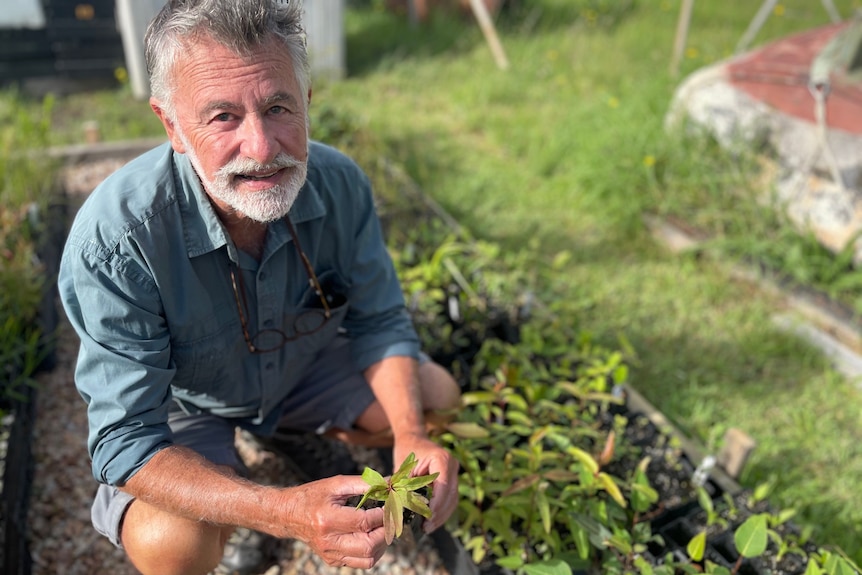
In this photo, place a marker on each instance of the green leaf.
(751, 537)
(813, 568)
(621, 543)
(544, 509)
(379, 493)
(467, 430)
(477, 546)
(581, 538)
(609, 485)
(373, 478)
(516, 401)
(417, 504)
(643, 566)
(404, 470)
(550, 567)
(519, 417)
(585, 458)
(836, 565)
(393, 518)
(510, 562)
(705, 500)
(418, 482)
(762, 491)
(642, 497)
(697, 546)
(714, 569)
(475, 397)
(784, 516)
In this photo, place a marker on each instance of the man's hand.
(340, 534)
(431, 458)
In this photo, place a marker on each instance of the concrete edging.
(828, 325)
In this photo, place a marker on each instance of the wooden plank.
(681, 38)
(487, 26)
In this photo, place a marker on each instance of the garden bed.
(565, 468)
(16, 427)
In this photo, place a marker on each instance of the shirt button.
(262, 276)
(270, 366)
(268, 323)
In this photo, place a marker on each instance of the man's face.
(244, 126)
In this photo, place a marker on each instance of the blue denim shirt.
(145, 281)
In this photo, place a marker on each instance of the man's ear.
(308, 114)
(170, 128)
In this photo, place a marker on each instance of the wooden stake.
(681, 35)
(737, 447)
(484, 19)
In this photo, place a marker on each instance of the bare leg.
(439, 392)
(160, 543)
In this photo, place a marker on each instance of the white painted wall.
(22, 14)
(324, 25)
(133, 17)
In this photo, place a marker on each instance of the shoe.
(309, 455)
(247, 552)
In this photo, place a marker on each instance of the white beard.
(264, 206)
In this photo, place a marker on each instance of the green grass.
(566, 150)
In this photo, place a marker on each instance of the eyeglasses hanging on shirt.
(309, 321)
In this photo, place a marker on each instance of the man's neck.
(247, 234)
(249, 237)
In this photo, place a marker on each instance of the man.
(237, 277)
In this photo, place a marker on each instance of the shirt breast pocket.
(316, 336)
(209, 364)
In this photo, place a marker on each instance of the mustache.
(241, 166)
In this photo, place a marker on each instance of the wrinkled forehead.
(204, 63)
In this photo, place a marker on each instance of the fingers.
(431, 458)
(338, 533)
(445, 496)
(343, 487)
(360, 551)
(341, 518)
(360, 562)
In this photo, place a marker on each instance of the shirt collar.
(203, 230)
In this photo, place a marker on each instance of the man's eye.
(223, 117)
(277, 110)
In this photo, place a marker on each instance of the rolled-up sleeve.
(123, 370)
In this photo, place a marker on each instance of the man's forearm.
(395, 384)
(180, 481)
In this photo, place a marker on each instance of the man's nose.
(257, 140)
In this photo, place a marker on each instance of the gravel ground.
(62, 539)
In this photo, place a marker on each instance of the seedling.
(398, 493)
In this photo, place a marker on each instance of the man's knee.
(440, 391)
(158, 542)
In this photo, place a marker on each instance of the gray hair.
(242, 26)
